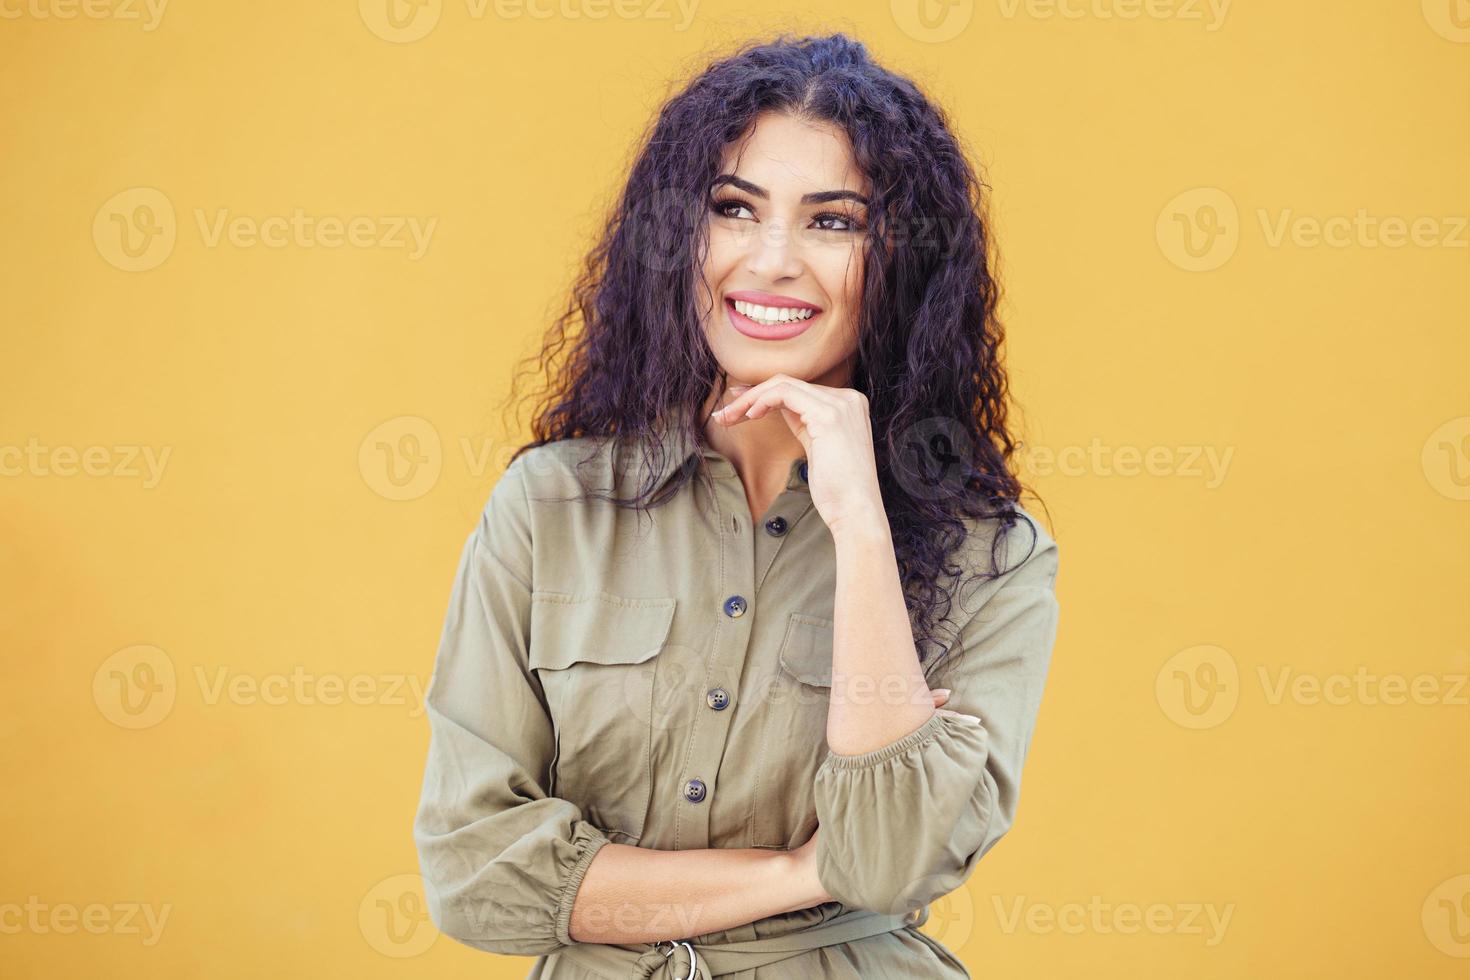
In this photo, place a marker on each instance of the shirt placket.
(778, 523)
(745, 552)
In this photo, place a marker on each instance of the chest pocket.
(595, 655)
(795, 733)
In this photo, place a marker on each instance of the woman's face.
(785, 260)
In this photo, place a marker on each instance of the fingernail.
(941, 690)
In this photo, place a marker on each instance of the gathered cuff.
(589, 840)
(901, 824)
(883, 753)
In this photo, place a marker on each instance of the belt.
(680, 960)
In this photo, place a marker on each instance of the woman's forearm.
(636, 895)
(879, 693)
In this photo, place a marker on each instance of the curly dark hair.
(929, 347)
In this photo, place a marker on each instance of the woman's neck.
(761, 450)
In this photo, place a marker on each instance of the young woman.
(743, 656)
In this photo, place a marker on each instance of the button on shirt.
(582, 653)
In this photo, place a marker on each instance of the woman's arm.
(946, 792)
(910, 796)
(879, 693)
(636, 895)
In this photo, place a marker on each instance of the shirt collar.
(679, 447)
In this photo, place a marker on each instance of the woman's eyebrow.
(815, 197)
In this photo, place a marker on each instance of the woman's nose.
(775, 252)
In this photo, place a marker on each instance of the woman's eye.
(723, 208)
(731, 207)
(846, 223)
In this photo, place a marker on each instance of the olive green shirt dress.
(662, 681)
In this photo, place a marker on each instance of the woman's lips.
(763, 331)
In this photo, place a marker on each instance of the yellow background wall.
(1234, 251)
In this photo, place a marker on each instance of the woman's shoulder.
(1004, 544)
(537, 479)
(1014, 550)
(999, 553)
(562, 466)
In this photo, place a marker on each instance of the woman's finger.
(802, 401)
(735, 410)
(956, 714)
(741, 397)
(728, 396)
(941, 695)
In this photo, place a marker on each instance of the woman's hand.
(834, 427)
(941, 695)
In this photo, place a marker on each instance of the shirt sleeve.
(906, 823)
(501, 859)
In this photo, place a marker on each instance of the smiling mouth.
(770, 316)
(769, 322)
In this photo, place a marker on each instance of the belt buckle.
(693, 970)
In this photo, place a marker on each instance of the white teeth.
(772, 314)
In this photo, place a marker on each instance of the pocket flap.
(596, 627)
(806, 649)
